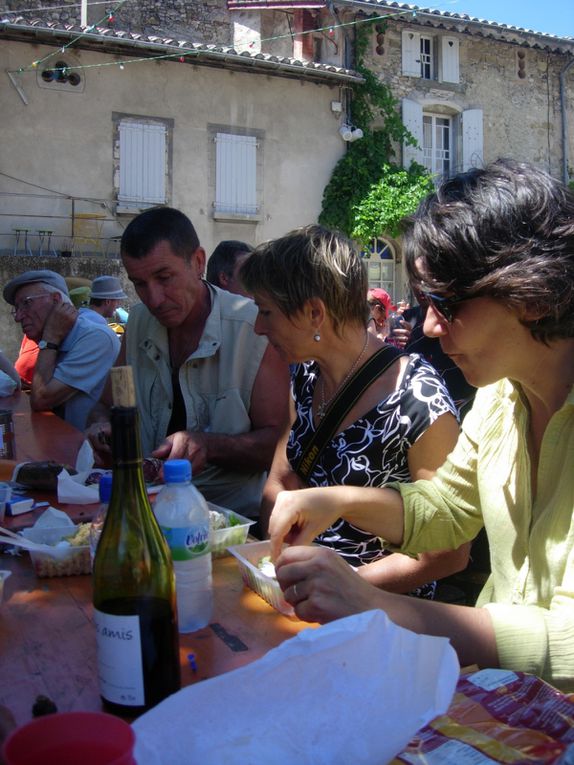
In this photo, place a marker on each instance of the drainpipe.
(563, 113)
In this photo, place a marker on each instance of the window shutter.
(472, 142)
(413, 121)
(142, 162)
(411, 51)
(236, 174)
(449, 59)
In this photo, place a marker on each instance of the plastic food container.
(221, 539)
(248, 557)
(64, 561)
(5, 494)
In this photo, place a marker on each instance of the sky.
(555, 17)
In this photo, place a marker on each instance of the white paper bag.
(353, 691)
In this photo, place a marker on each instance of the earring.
(317, 337)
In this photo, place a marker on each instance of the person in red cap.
(381, 307)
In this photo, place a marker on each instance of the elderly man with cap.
(75, 354)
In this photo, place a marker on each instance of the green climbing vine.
(367, 194)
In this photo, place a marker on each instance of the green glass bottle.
(134, 586)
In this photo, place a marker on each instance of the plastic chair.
(45, 237)
(88, 233)
(22, 240)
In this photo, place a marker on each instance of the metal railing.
(51, 224)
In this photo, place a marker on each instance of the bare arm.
(46, 391)
(252, 450)
(281, 476)
(298, 516)
(401, 573)
(322, 587)
(8, 369)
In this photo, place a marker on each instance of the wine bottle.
(134, 584)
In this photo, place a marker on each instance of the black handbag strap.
(342, 404)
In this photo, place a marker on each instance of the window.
(142, 151)
(448, 140)
(381, 266)
(426, 58)
(437, 154)
(430, 57)
(237, 170)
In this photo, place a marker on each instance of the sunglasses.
(444, 306)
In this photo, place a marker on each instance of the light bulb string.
(184, 52)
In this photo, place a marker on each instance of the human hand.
(185, 444)
(400, 334)
(298, 516)
(321, 586)
(60, 321)
(100, 435)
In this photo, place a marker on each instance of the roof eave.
(192, 55)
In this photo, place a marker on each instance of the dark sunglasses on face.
(444, 306)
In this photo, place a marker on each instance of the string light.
(189, 52)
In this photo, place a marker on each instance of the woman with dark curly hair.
(492, 254)
(310, 288)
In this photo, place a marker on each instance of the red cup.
(71, 738)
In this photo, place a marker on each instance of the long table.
(41, 436)
(48, 644)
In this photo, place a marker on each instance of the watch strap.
(47, 344)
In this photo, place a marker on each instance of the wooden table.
(48, 642)
(41, 436)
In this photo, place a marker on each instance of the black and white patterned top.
(371, 451)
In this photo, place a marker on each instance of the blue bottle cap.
(176, 471)
(105, 487)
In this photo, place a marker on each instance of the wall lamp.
(349, 133)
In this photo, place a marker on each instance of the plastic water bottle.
(105, 489)
(183, 516)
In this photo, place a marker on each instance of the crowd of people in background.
(388, 435)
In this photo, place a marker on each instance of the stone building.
(236, 112)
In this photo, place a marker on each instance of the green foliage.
(367, 160)
(396, 194)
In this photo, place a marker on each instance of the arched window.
(381, 265)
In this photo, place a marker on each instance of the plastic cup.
(71, 738)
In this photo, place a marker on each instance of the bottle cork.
(123, 389)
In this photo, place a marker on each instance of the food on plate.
(266, 566)
(95, 477)
(42, 476)
(152, 469)
(80, 537)
(219, 520)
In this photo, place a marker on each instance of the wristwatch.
(46, 344)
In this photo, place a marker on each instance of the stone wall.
(206, 22)
(517, 88)
(87, 268)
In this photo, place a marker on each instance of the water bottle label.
(187, 543)
(120, 667)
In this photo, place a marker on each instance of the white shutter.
(142, 162)
(472, 140)
(236, 174)
(449, 59)
(411, 53)
(413, 121)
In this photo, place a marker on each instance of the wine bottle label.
(188, 542)
(120, 667)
